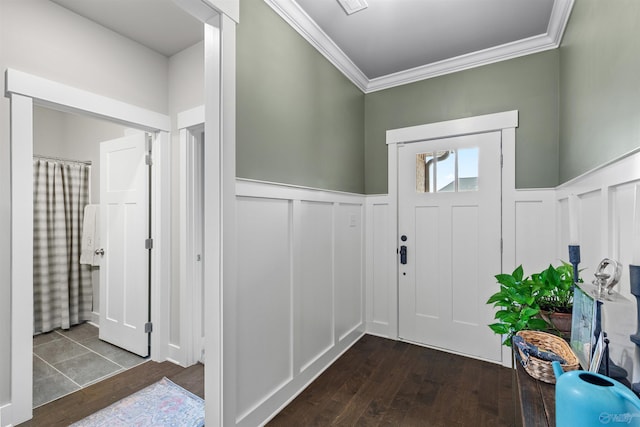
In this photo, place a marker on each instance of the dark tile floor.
(66, 361)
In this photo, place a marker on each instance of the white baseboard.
(95, 318)
(5, 415)
(175, 355)
(321, 364)
(379, 329)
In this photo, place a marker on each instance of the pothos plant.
(559, 284)
(518, 304)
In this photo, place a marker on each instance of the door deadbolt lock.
(99, 251)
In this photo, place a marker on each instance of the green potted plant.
(518, 304)
(556, 304)
(542, 302)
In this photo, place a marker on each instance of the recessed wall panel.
(348, 268)
(263, 297)
(316, 280)
(380, 247)
(531, 251)
(590, 232)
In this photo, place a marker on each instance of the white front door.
(124, 225)
(449, 213)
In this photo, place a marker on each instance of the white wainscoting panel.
(349, 268)
(535, 231)
(606, 215)
(380, 256)
(300, 296)
(264, 295)
(314, 293)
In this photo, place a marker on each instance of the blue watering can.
(586, 399)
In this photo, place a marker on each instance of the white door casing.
(453, 239)
(191, 126)
(124, 228)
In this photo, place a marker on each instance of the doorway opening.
(68, 353)
(449, 208)
(455, 180)
(191, 127)
(26, 92)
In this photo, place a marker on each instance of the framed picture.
(583, 324)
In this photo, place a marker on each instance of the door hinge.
(501, 160)
(501, 245)
(148, 244)
(148, 327)
(148, 148)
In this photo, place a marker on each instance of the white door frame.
(505, 122)
(190, 288)
(25, 91)
(220, 18)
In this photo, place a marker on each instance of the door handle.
(403, 254)
(99, 251)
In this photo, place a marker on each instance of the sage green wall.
(600, 85)
(528, 84)
(299, 120)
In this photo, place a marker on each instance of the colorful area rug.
(161, 404)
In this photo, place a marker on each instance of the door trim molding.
(66, 98)
(24, 91)
(504, 122)
(456, 127)
(190, 291)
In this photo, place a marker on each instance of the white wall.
(44, 39)
(299, 300)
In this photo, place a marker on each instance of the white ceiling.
(392, 36)
(391, 42)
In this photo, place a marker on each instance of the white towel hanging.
(90, 236)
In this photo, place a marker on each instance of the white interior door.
(449, 207)
(124, 225)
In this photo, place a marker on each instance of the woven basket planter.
(542, 369)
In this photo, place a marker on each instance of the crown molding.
(295, 16)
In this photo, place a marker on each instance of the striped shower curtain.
(62, 291)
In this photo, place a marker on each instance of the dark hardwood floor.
(86, 401)
(378, 382)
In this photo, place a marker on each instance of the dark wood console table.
(535, 400)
